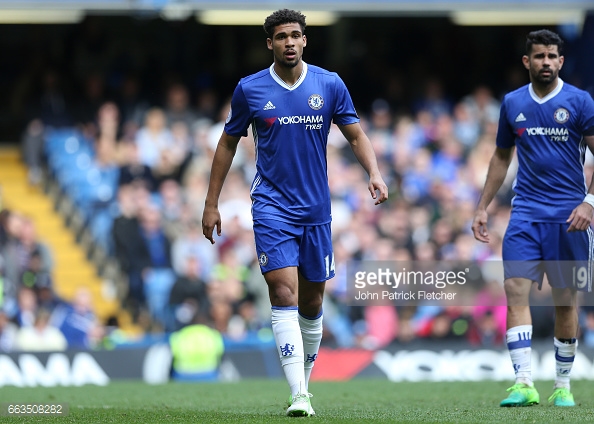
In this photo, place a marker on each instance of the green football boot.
(300, 406)
(521, 395)
(304, 410)
(562, 397)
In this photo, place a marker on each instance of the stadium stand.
(72, 268)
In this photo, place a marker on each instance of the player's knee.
(517, 289)
(312, 303)
(282, 295)
(565, 299)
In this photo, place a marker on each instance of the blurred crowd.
(146, 167)
(33, 317)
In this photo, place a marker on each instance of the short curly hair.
(543, 37)
(281, 17)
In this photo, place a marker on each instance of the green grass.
(258, 401)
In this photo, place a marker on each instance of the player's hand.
(378, 184)
(479, 226)
(211, 218)
(580, 218)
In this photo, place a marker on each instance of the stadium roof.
(322, 12)
(358, 6)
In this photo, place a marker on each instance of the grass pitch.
(258, 401)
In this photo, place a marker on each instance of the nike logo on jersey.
(269, 106)
(520, 117)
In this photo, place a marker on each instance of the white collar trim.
(280, 82)
(549, 96)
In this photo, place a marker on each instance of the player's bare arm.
(221, 163)
(364, 153)
(496, 174)
(581, 217)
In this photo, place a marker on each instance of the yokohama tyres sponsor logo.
(547, 131)
(29, 371)
(556, 134)
(303, 119)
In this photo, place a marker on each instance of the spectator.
(33, 143)
(31, 245)
(176, 157)
(27, 307)
(191, 243)
(466, 128)
(197, 351)
(94, 95)
(129, 246)
(416, 177)
(8, 332)
(433, 98)
(181, 154)
(177, 106)
(35, 276)
(78, 322)
(227, 279)
(380, 128)
(41, 336)
(451, 323)
(247, 312)
(157, 276)
(172, 204)
(4, 223)
(14, 260)
(221, 313)
(47, 298)
(207, 103)
(131, 104)
(153, 139)
(485, 331)
(483, 107)
(188, 294)
(132, 170)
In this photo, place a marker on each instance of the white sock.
(311, 333)
(564, 356)
(519, 343)
(285, 326)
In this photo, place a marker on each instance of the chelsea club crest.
(315, 101)
(263, 259)
(561, 115)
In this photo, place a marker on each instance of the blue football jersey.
(548, 135)
(290, 126)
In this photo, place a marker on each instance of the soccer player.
(549, 123)
(290, 106)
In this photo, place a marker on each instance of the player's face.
(287, 44)
(543, 64)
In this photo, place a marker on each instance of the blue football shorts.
(308, 247)
(533, 249)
